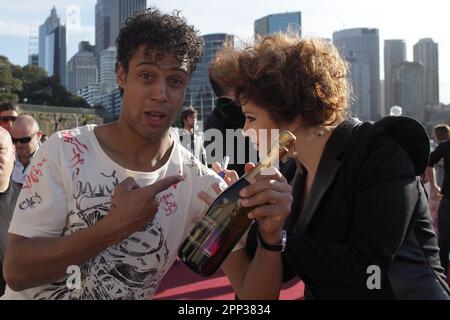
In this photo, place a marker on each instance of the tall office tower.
(107, 69)
(52, 47)
(360, 47)
(82, 68)
(199, 93)
(102, 27)
(409, 89)
(120, 11)
(426, 52)
(394, 54)
(33, 59)
(33, 46)
(289, 22)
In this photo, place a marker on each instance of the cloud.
(13, 28)
(83, 30)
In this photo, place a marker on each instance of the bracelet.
(279, 247)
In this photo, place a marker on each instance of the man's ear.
(121, 75)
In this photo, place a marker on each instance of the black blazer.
(366, 208)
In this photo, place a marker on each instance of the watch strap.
(279, 247)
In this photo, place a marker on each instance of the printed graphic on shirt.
(92, 199)
(131, 269)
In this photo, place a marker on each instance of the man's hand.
(132, 207)
(435, 191)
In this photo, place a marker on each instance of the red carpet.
(180, 283)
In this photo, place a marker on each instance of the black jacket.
(228, 115)
(365, 209)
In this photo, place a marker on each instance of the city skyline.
(407, 20)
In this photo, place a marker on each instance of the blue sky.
(410, 20)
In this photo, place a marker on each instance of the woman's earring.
(315, 132)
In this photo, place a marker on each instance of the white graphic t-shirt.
(69, 188)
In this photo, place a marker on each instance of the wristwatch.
(279, 247)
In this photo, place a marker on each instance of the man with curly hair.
(104, 208)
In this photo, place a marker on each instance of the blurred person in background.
(441, 134)
(9, 111)
(190, 137)
(26, 136)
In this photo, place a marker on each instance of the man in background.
(190, 138)
(9, 111)
(26, 136)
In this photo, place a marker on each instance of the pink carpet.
(180, 283)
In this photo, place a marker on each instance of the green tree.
(9, 85)
(33, 84)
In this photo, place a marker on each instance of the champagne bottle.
(214, 237)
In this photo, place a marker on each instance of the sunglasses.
(5, 119)
(23, 140)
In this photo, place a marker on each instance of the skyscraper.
(33, 59)
(199, 93)
(52, 47)
(426, 52)
(289, 22)
(102, 26)
(82, 68)
(107, 69)
(120, 11)
(409, 89)
(360, 47)
(394, 54)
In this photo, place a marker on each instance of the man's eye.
(177, 82)
(146, 76)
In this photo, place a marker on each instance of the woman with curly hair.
(357, 225)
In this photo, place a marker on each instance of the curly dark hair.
(162, 32)
(291, 76)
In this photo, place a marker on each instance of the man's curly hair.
(165, 33)
(290, 76)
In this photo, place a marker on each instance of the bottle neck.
(271, 160)
(279, 150)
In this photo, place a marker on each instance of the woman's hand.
(272, 193)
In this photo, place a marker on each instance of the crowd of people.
(348, 213)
